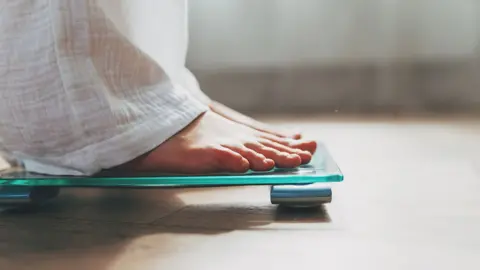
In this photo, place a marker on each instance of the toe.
(302, 144)
(297, 136)
(258, 162)
(306, 145)
(281, 159)
(230, 161)
(304, 155)
(284, 134)
(274, 131)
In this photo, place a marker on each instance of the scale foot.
(13, 197)
(301, 196)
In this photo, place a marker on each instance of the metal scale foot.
(301, 196)
(18, 196)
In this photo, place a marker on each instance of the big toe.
(302, 144)
(285, 134)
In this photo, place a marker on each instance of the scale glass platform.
(322, 169)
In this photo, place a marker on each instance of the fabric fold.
(78, 94)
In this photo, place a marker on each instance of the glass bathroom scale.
(321, 169)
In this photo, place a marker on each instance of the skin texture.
(214, 143)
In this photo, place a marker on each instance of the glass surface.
(322, 168)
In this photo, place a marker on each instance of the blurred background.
(343, 56)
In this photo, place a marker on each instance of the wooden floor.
(410, 200)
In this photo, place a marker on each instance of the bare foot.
(250, 122)
(213, 144)
(289, 138)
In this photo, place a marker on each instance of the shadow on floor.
(96, 219)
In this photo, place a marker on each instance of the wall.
(242, 33)
(331, 54)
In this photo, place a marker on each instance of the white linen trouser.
(91, 84)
